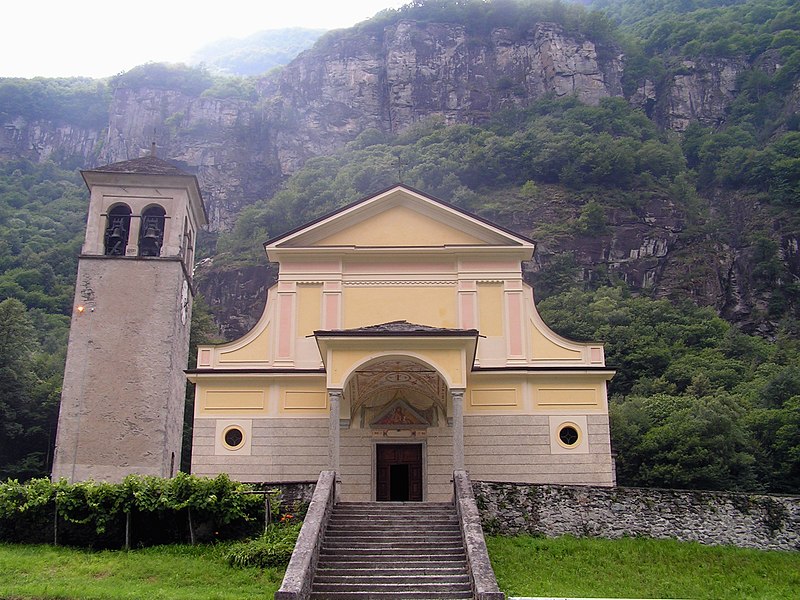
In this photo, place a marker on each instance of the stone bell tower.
(123, 395)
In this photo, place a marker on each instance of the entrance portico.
(391, 389)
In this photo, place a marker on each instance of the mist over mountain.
(257, 53)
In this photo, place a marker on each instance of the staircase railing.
(484, 584)
(297, 581)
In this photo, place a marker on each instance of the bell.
(150, 244)
(115, 235)
(115, 243)
(151, 234)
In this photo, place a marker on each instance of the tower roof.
(147, 165)
(127, 172)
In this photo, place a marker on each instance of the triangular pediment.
(400, 415)
(399, 217)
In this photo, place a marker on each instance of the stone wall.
(715, 518)
(292, 494)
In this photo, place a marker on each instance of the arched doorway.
(397, 399)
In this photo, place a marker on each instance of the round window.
(233, 438)
(568, 435)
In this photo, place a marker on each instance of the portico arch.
(379, 380)
(416, 371)
(394, 400)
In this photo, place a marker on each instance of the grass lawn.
(640, 568)
(165, 572)
(525, 566)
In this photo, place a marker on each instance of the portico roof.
(345, 351)
(397, 329)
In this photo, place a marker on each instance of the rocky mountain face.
(351, 83)
(45, 140)
(241, 149)
(657, 249)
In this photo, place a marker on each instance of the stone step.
(394, 527)
(389, 587)
(378, 529)
(378, 542)
(413, 517)
(413, 568)
(384, 547)
(416, 515)
(337, 517)
(392, 524)
(408, 507)
(395, 507)
(382, 568)
(373, 510)
(448, 537)
(368, 581)
(393, 595)
(367, 562)
(403, 518)
(394, 543)
(430, 555)
(415, 505)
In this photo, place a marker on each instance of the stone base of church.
(406, 465)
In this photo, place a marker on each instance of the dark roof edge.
(534, 369)
(254, 371)
(359, 333)
(144, 165)
(178, 173)
(383, 191)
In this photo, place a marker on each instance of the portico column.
(457, 397)
(335, 401)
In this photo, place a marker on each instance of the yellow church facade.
(399, 343)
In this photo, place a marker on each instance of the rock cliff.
(353, 80)
(242, 148)
(40, 141)
(699, 91)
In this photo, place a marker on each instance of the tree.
(683, 442)
(27, 403)
(777, 435)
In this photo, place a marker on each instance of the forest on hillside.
(696, 403)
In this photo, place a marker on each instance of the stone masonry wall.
(714, 518)
(292, 494)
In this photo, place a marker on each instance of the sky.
(91, 38)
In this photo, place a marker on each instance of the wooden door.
(399, 472)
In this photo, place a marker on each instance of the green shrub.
(99, 509)
(272, 549)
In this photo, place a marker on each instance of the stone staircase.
(400, 550)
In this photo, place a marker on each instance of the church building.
(399, 343)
